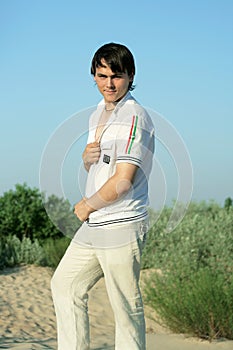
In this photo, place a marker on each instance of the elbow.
(123, 186)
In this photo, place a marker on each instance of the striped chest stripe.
(132, 134)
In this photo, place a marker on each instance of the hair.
(118, 57)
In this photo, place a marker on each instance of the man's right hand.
(91, 154)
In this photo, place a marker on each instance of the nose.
(109, 82)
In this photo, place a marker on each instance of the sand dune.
(28, 321)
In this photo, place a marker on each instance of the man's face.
(113, 86)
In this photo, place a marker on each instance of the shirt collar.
(127, 97)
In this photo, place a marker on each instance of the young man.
(118, 158)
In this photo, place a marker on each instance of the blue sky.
(184, 58)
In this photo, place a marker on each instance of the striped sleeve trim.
(132, 134)
(129, 158)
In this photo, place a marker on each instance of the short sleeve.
(135, 140)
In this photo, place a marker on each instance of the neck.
(110, 106)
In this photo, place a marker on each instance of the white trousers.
(79, 269)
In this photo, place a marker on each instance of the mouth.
(110, 91)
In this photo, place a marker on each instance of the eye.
(117, 76)
(101, 76)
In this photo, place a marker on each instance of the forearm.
(113, 189)
(110, 192)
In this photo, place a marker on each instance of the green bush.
(13, 252)
(62, 215)
(191, 287)
(200, 305)
(54, 250)
(23, 213)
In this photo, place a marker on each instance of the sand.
(27, 319)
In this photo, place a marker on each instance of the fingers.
(93, 147)
(94, 144)
(82, 210)
(91, 153)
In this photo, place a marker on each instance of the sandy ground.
(27, 319)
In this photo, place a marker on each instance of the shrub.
(22, 212)
(54, 250)
(62, 216)
(194, 291)
(14, 252)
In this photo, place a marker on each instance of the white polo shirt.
(128, 136)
